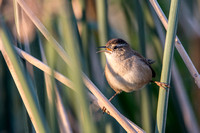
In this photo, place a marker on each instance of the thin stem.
(102, 20)
(166, 69)
(102, 24)
(62, 115)
(183, 100)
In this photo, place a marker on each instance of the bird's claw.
(161, 84)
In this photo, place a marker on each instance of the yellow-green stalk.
(166, 68)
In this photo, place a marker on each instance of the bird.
(126, 69)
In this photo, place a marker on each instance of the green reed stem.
(72, 40)
(145, 98)
(166, 69)
(102, 21)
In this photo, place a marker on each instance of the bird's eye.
(115, 47)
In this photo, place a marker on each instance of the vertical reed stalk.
(102, 24)
(50, 93)
(72, 40)
(145, 98)
(102, 21)
(166, 69)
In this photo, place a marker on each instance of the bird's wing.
(147, 61)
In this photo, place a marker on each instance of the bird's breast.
(127, 74)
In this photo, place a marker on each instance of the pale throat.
(113, 60)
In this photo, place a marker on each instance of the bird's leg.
(161, 84)
(104, 108)
(113, 96)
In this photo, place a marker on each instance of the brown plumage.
(126, 70)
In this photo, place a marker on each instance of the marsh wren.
(127, 70)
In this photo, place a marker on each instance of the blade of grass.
(27, 122)
(193, 71)
(145, 97)
(24, 85)
(166, 68)
(186, 109)
(50, 103)
(27, 45)
(102, 21)
(16, 16)
(63, 118)
(71, 39)
(84, 36)
(62, 115)
(131, 22)
(20, 30)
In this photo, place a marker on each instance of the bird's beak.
(102, 47)
(107, 50)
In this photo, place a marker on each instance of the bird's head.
(115, 45)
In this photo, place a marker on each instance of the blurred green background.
(80, 26)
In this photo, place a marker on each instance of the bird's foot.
(161, 84)
(105, 110)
